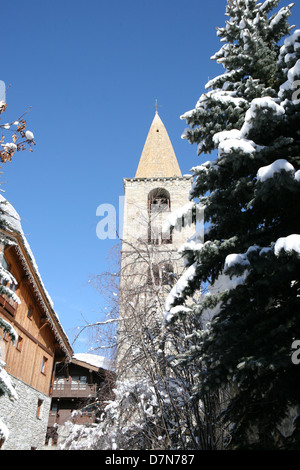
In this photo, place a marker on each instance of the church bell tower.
(150, 261)
(157, 189)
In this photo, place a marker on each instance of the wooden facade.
(41, 362)
(41, 339)
(78, 386)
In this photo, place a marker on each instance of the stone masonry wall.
(26, 430)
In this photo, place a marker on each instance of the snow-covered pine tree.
(249, 55)
(251, 251)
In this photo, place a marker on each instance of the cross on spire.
(156, 106)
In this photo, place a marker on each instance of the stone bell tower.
(158, 186)
(150, 261)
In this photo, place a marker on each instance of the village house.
(41, 343)
(82, 385)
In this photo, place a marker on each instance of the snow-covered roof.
(93, 360)
(12, 221)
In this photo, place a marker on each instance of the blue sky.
(91, 71)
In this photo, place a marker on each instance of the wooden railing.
(71, 390)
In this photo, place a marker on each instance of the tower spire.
(158, 157)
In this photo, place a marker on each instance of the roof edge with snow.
(13, 230)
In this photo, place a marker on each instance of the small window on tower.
(160, 275)
(159, 204)
(153, 275)
(167, 274)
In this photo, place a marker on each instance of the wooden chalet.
(84, 385)
(41, 342)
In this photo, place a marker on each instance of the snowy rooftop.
(13, 222)
(94, 360)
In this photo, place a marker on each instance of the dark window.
(19, 343)
(44, 365)
(153, 275)
(167, 274)
(161, 274)
(39, 408)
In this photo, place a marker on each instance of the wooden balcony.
(66, 415)
(8, 304)
(71, 390)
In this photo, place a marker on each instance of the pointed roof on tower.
(158, 157)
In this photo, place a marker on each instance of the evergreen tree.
(251, 253)
(249, 57)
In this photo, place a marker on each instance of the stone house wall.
(26, 418)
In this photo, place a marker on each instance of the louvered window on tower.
(153, 277)
(167, 274)
(159, 205)
(161, 274)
